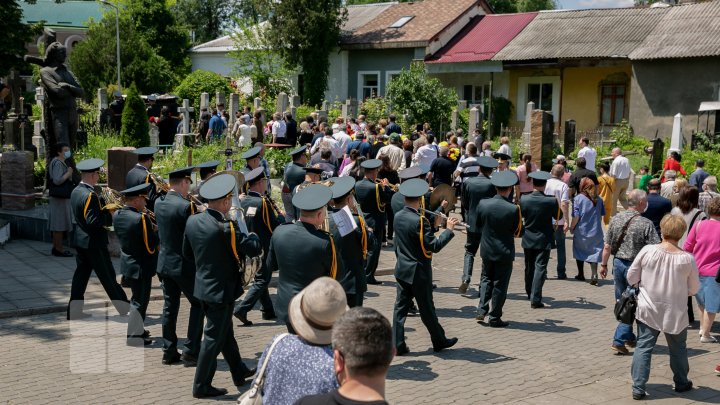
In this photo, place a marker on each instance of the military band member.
(498, 222)
(294, 175)
(302, 252)
(217, 245)
(178, 273)
(474, 190)
(353, 247)
(91, 240)
(140, 173)
(262, 220)
(538, 211)
(415, 243)
(138, 258)
(372, 198)
(252, 161)
(207, 169)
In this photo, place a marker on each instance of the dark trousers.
(471, 248)
(421, 290)
(374, 252)
(97, 259)
(536, 261)
(219, 338)
(390, 215)
(258, 291)
(172, 287)
(139, 301)
(493, 287)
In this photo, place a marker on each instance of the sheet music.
(344, 221)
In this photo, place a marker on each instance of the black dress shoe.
(243, 319)
(171, 358)
(639, 395)
(146, 333)
(58, 253)
(434, 286)
(562, 277)
(373, 281)
(402, 350)
(498, 324)
(684, 388)
(537, 305)
(138, 341)
(188, 360)
(268, 316)
(413, 310)
(249, 373)
(211, 392)
(447, 344)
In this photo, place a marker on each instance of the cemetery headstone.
(102, 102)
(569, 138)
(281, 104)
(234, 107)
(257, 103)
(39, 99)
(526, 131)
(16, 176)
(119, 160)
(676, 139)
(37, 139)
(454, 119)
(220, 101)
(295, 101)
(185, 110)
(474, 121)
(154, 134)
(325, 106)
(205, 101)
(658, 156)
(322, 114)
(541, 138)
(293, 112)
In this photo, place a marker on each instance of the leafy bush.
(502, 110)
(135, 127)
(303, 111)
(198, 82)
(704, 142)
(375, 108)
(277, 159)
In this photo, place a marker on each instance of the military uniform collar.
(411, 209)
(129, 208)
(215, 214)
(306, 225)
(139, 166)
(254, 194)
(91, 188)
(500, 197)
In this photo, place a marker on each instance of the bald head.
(557, 171)
(616, 152)
(637, 199)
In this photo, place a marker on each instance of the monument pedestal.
(120, 161)
(16, 171)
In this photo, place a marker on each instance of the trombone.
(441, 215)
(393, 187)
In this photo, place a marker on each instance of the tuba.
(325, 227)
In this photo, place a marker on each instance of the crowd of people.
(354, 187)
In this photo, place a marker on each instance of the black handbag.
(626, 306)
(59, 191)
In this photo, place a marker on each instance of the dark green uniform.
(413, 271)
(538, 211)
(139, 175)
(353, 251)
(138, 261)
(209, 243)
(497, 221)
(178, 274)
(261, 219)
(294, 176)
(300, 253)
(92, 252)
(474, 189)
(372, 198)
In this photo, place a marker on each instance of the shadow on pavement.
(578, 303)
(415, 370)
(472, 355)
(545, 325)
(467, 312)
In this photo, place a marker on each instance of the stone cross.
(205, 101)
(474, 121)
(102, 102)
(676, 139)
(220, 101)
(234, 107)
(295, 101)
(281, 104)
(257, 103)
(185, 110)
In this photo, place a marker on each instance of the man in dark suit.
(293, 177)
(262, 220)
(498, 221)
(302, 252)
(217, 245)
(91, 240)
(392, 127)
(657, 205)
(372, 198)
(138, 258)
(538, 210)
(140, 173)
(415, 242)
(353, 246)
(177, 272)
(474, 190)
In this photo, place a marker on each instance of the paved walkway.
(557, 355)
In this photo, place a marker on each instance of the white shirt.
(331, 143)
(343, 139)
(590, 156)
(620, 168)
(505, 148)
(396, 155)
(559, 189)
(666, 189)
(425, 155)
(244, 138)
(279, 129)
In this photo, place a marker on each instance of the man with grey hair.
(709, 191)
(442, 168)
(666, 190)
(628, 232)
(620, 171)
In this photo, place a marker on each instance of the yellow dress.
(605, 190)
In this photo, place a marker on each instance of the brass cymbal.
(440, 193)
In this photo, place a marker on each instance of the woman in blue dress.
(588, 240)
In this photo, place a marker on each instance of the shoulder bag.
(626, 306)
(253, 396)
(616, 246)
(63, 190)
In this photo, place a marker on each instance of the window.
(368, 84)
(475, 94)
(389, 76)
(541, 95)
(612, 105)
(544, 91)
(402, 21)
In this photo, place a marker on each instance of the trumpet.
(393, 187)
(112, 199)
(160, 184)
(441, 215)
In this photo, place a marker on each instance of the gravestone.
(474, 120)
(293, 111)
(14, 83)
(569, 137)
(220, 101)
(295, 101)
(526, 131)
(325, 106)
(39, 99)
(154, 134)
(257, 103)
(37, 140)
(281, 104)
(102, 103)
(676, 139)
(462, 104)
(16, 177)
(205, 101)
(454, 119)
(180, 139)
(349, 109)
(322, 114)
(541, 138)
(234, 107)
(119, 161)
(657, 157)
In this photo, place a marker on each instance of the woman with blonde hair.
(505, 146)
(586, 226)
(666, 276)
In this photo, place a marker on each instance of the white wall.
(219, 63)
(337, 76)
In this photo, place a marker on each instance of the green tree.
(503, 6)
(135, 128)
(524, 6)
(208, 19)
(15, 35)
(425, 98)
(198, 82)
(305, 32)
